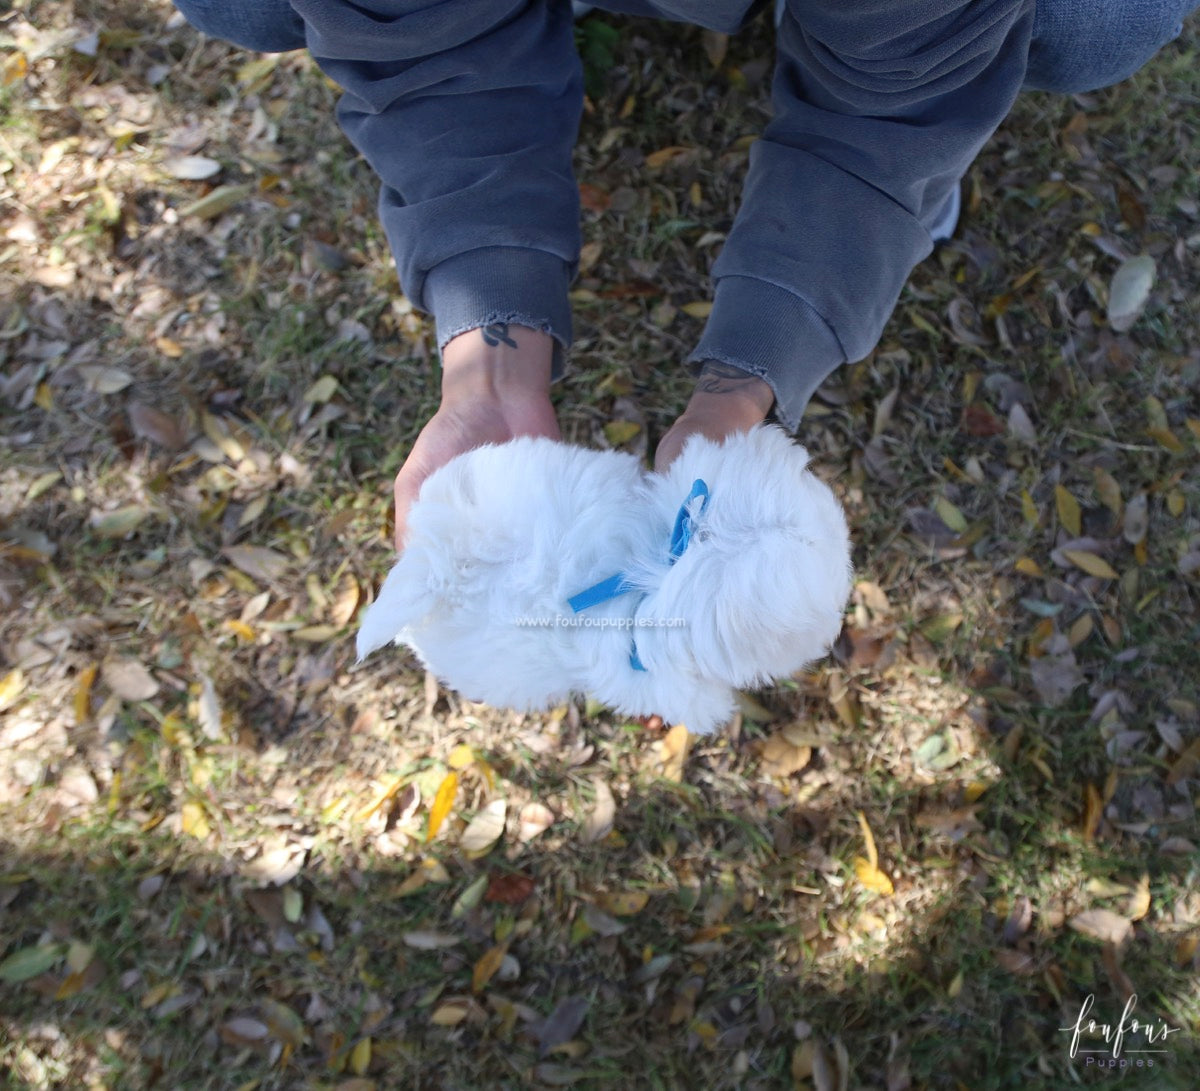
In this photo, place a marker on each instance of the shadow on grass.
(746, 953)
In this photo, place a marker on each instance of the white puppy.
(535, 570)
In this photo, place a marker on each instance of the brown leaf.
(978, 420)
(1020, 917)
(258, 562)
(593, 198)
(1056, 675)
(157, 426)
(508, 889)
(345, 601)
(1016, 962)
(1185, 765)
(1102, 924)
(129, 680)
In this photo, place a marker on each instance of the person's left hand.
(726, 400)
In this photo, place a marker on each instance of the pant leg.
(265, 26)
(1083, 45)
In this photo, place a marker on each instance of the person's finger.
(408, 484)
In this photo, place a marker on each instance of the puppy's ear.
(405, 599)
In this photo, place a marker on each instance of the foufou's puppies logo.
(1128, 1043)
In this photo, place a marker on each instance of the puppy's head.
(759, 591)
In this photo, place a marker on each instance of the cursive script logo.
(1142, 1035)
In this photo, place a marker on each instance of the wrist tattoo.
(718, 378)
(496, 334)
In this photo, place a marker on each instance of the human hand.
(495, 387)
(726, 400)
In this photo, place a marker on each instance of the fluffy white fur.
(503, 536)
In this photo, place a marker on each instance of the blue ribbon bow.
(681, 537)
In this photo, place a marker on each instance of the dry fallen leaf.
(1090, 563)
(1139, 901)
(442, 802)
(424, 940)
(535, 818)
(1069, 513)
(129, 680)
(258, 562)
(625, 903)
(562, 1023)
(485, 969)
(484, 829)
(780, 758)
(599, 822)
(673, 752)
(1130, 291)
(1102, 924)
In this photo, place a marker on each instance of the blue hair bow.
(681, 536)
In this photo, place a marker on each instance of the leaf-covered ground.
(229, 858)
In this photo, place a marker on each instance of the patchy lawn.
(908, 867)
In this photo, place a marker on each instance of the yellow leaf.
(1027, 566)
(673, 751)
(487, 966)
(1028, 508)
(79, 956)
(1166, 438)
(167, 347)
(950, 515)
(322, 390)
(697, 309)
(1081, 630)
(83, 694)
(360, 1057)
(486, 771)
(618, 432)
(460, 757)
(316, 634)
(1090, 563)
(240, 629)
(659, 159)
(869, 839)
(386, 792)
(12, 685)
(871, 877)
(43, 397)
(1139, 901)
(159, 993)
(15, 68)
(624, 903)
(442, 802)
(71, 984)
(449, 1014)
(974, 790)
(194, 820)
(1176, 503)
(1108, 490)
(1068, 511)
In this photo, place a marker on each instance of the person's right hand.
(495, 387)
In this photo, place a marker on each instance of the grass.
(213, 825)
